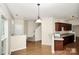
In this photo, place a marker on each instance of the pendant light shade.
(38, 20)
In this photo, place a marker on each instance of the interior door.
(2, 33)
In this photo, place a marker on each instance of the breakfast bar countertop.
(66, 34)
(59, 39)
(62, 35)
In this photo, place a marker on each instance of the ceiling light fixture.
(38, 20)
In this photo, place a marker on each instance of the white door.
(2, 35)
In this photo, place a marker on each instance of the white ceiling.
(29, 11)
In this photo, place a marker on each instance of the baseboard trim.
(35, 41)
(18, 49)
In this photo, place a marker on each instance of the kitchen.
(63, 34)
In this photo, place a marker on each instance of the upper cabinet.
(65, 26)
(58, 26)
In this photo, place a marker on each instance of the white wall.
(31, 28)
(38, 33)
(61, 20)
(8, 23)
(76, 30)
(19, 27)
(12, 27)
(18, 42)
(26, 27)
(48, 29)
(74, 22)
(75, 26)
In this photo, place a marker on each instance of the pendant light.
(38, 20)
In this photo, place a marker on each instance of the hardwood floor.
(35, 48)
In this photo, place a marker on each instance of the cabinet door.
(58, 26)
(58, 45)
(70, 27)
(68, 39)
(64, 26)
(67, 27)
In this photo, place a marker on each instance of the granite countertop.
(66, 34)
(58, 39)
(63, 35)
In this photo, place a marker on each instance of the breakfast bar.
(63, 40)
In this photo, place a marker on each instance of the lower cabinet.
(68, 39)
(58, 45)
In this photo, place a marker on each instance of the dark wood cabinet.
(68, 39)
(58, 26)
(67, 27)
(58, 44)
